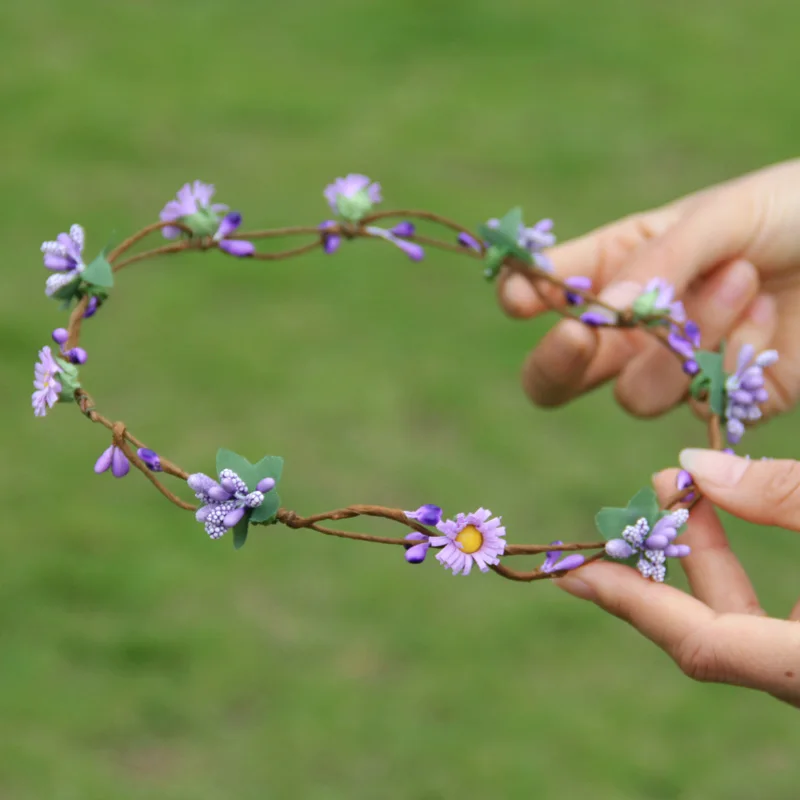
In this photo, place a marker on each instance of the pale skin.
(733, 253)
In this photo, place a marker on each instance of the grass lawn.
(138, 659)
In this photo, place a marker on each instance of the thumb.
(764, 492)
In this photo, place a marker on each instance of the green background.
(139, 659)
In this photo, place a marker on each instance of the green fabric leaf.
(505, 242)
(68, 292)
(612, 521)
(240, 533)
(204, 222)
(268, 509)
(99, 273)
(712, 368)
(511, 223)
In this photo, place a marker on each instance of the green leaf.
(99, 272)
(711, 367)
(267, 510)
(511, 223)
(505, 243)
(240, 533)
(69, 291)
(269, 467)
(612, 521)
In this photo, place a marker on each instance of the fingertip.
(517, 296)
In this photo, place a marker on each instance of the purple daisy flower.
(235, 247)
(411, 249)
(552, 563)
(47, 386)
(652, 547)
(65, 258)
(470, 539)
(193, 206)
(417, 547)
(115, 458)
(352, 197)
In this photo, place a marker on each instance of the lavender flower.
(352, 197)
(65, 257)
(47, 386)
(194, 208)
(534, 240)
(150, 458)
(415, 553)
(658, 300)
(426, 515)
(235, 247)
(684, 343)
(552, 563)
(470, 539)
(745, 390)
(115, 458)
(225, 503)
(330, 240)
(412, 250)
(577, 282)
(653, 547)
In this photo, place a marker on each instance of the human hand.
(733, 254)
(720, 634)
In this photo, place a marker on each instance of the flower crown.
(243, 494)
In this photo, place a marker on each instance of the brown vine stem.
(538, 574)
(293, 230)
(146, 231)
(306, 248)
(165, 249)
(417, 214)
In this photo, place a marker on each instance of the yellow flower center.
(470, 539)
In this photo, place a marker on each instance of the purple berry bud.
(91, 308)
(677, 550)
(760, 396)
(767, 358)
(596, 318)
(60, 335)
(219, 494)
(104, 462)
(150, 458)
(254, 499)
(119, 463)
(691, 367)
(618, 548)
(266, 485)
(201, 515)
(741, 397)
(658, 541)
(229, 485)
(572, 561)
(403, 229)
(233, 518)
(77, 355)
(198, 482)
(426, 515)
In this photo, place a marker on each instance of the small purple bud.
(104, 462)
(735, 431)
(229, 485)
(767, 358)
(691, 367)
(60, 335)
(266, 485)
(465, 240)
(198, 482)
(411, 249)
(403, 229)
(230, 222)
(417, 553)
(426, 515)
(150, 458)
(597, 318)
(332, 243)
(254, 499)
(572, 561)
(658, 541)
(752, 379)
(684, 481)
(760, 396)
(201, 515)
(677, 550)
(237, 247)
(577, 282)
(741, 397)
(233, 518)
(77, 355)
(119, 463)
(91, 308)
(219, 494)
(692, 332)
(618, 548)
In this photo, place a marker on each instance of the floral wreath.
(243, 494)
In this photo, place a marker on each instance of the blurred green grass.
(138, 660)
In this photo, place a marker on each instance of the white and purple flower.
(64, 257)
(475, 538)
(652, 547)
(47, 385)
(352, 197)
(193, 207)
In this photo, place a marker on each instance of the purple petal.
(104, 462)
(266, 485)
(618, 548)
(735, 429)
(571, 561)
(656, 541)
(119, 463)
(680, 344)
(404, 229)
(237, 247)
(60, 335)
(691, 367)
(91, 308)
(760, 395)
(767, 358)
(229, 485)
(230, 222)
(417, 553)
(233, 518)
(741, 397)
(692, 332)
(428, 514)
(218, 493)
(745, 357)
(577, 282)
(331, 243)
(150, 458)
(677, 550)
(465, 240)
(58, 263)
(77, 355)
(411, 249)
(598, 318)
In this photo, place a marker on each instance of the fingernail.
(518, 294)
(712, 466)
(762, 312)
(621, 295)
(740, 280)
(576, 587)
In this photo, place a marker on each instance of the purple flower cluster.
(192, 205)
(64, 257)
(653, 547)
(45, 382)
(745, 390)
(352, 197)
(226, 502)
(469, 539)
(534, 239)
